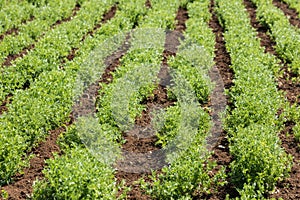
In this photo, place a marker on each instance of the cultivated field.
(173, 99)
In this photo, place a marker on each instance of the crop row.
(28, 33)
(86, 177)
(286, 36)
(47, 103)
(287, 40)
(253, 126)
(294, 4)
(51, 50)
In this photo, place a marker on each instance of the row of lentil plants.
(253, 124)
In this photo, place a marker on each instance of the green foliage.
(51, 50)
(286, 36)
(193, 63)
(87, 176)
(4, 194)
(250, 192)
(120, 102)
(76, 175)
(161, 18)
(13, 13)
(28, 33)
(47, 103)
(249, 146)
(70, 139)
(259, 160)
(292, 114)
(170, 127)
(294, 4)
(296, 130)
(188, 174)
(32, 114)
(197, 28)
(186, 177)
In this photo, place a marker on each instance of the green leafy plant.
(258, 159)
(77, 175)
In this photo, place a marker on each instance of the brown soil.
(75, 10)
(217, 104)
(265, 40)
(12, 31)
(86, 103)
(291, 13)
(12, 57)
(289, 188)
(222, 57)
(15, 31)
(148, 4)
(223, 158)
(107, 16)
(3, 107)
(291, 90)
(131, 180)
(22, 185)
(72, 54)
(222, 60)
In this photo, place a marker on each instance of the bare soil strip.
(148, 4)
(291, 89)
(107, 16)
(289, 188)
(22, 185)
(291, 13)
(3, 107)
(12, 31)
(12, 57)
(83, 107)
(75, 10)
(222, 61)
(160, 99)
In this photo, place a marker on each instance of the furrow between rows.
(222, 61)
